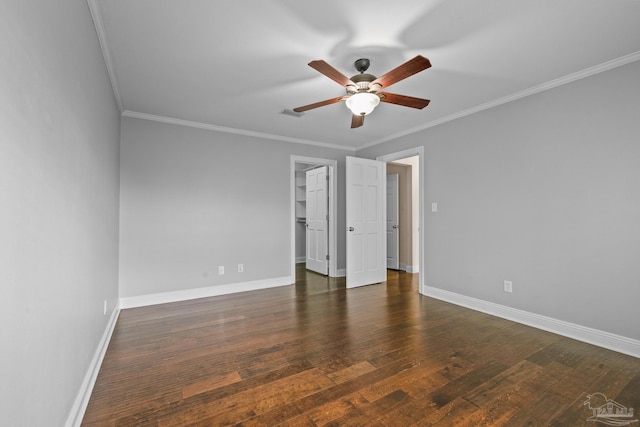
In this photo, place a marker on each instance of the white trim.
(210, 291)
(98, 23)
(417, 151)
(300, 260)
(208, 126)
(333, 210)
(84, 394)
(102, 37)
(600, 68)
(581, 333)
(340, 272)
(410, 268)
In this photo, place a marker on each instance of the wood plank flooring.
(316, 354)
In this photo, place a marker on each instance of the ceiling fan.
(364, 90)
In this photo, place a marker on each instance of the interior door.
(393, 238)
(317, 234)
(366, 238)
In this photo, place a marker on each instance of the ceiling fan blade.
(409, 68)
(335, 75)
(357, 120)
(405, 101)
(318, 104)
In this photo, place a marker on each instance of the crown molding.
(104, 46)
(98, 23)
(207, 126)
(588, 72)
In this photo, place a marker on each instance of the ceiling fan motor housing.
(362, 82)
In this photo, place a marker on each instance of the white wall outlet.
(434, 207)
(240, 268)
(220, 270)
(104, 310)
(508, 286)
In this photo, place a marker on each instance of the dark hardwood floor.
(316, 354)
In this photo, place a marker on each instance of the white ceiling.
(236, 65)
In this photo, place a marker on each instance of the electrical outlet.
(220, 270)
(104, 311)
(508, 286)
(240, 268)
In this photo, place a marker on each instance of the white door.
(317, 220)
(366, 239)
(393, 239)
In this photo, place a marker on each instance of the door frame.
(333, 210)
(411, 152)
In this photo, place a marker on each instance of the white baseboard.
(84, 394)
(301, 259)
(211, 291)
(341, 272)
(409, 268)
(581, 333)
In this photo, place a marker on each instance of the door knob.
(350, 228)
(395, 227)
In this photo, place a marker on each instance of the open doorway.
(299, 167)
(411, 159)
(402, 232)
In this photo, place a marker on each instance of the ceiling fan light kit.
(362, 103)
(363, 90)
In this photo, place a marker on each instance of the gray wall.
(544, 191)
(193, 199)
(59, 133)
